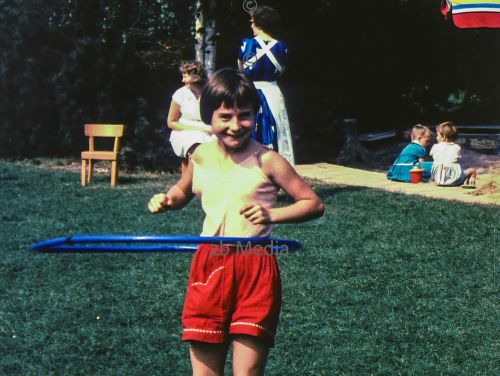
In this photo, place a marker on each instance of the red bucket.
(416, 175)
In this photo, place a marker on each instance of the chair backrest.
(104, 130)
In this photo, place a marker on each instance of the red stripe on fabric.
(478, 19)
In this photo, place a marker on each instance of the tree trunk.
(199, 28)
(210, 47)
(206, 34)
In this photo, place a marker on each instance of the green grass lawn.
(386, 284)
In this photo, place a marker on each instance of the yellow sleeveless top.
(224, 193)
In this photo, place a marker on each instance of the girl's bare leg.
(207, 359)
(471, 176)
(249, 356)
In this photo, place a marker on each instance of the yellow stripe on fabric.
(472, 2)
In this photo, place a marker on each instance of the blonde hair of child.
(447, 130)
(418, 131)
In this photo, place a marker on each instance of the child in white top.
(446, 155)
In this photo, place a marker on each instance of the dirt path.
(487, 192)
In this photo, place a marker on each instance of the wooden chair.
(101, 130)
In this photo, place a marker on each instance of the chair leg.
(114, 173)
(84, 172)
(91, 170)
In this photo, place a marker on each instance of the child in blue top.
(412, 154)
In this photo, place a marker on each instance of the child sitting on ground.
(412, 154)
(446, 171)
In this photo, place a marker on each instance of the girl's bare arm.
(177, 196)
(307, 204)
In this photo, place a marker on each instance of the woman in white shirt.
(188, 131)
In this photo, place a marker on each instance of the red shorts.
(233, 291)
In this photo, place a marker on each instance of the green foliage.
(386, 284)
(71, 62)
(389, 64)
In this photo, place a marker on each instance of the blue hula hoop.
(156, 243)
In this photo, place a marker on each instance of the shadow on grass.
(324, 191)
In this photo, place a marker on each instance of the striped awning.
(472, 13)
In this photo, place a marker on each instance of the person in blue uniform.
(263, 58)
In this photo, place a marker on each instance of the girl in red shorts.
(234, 293)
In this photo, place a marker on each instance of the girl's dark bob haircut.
(230, 87)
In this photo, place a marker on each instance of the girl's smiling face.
(233, 126)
